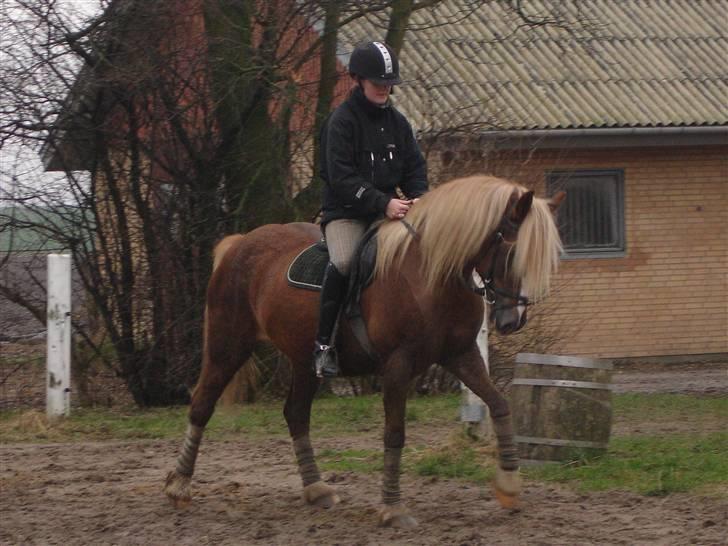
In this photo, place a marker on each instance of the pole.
(58, 385)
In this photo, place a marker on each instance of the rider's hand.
(397, 208)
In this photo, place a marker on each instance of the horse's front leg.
(395, 383)
(470, 369)
(298, 417)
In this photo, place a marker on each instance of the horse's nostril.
(505, 327)
(507, 321)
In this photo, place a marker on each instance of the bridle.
(489, 290)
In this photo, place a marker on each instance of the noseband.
(490, 291)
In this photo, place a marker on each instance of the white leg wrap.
(188, 455)
(508, 481)
(390, 477)
(306, 461)
(507, 448)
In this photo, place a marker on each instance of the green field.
(692, 459)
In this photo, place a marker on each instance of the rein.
(411, 229)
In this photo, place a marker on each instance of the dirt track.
(701, 379)
(249, 493)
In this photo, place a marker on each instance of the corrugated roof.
(627, 63)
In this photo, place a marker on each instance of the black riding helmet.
(375, 61)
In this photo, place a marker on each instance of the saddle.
(306, 271)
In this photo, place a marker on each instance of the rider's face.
(378, 94)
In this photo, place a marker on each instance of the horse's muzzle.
(509, 320)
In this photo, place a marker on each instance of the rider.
(368, 150)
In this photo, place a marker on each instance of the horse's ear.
(556, 200)
(522, 208)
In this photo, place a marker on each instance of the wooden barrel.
(562, 407)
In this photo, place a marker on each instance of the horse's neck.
(412, 275)
(444, 319)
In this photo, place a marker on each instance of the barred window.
(591, 218)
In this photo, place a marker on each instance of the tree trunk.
(401, 11)
(308, 200)
(252, 148)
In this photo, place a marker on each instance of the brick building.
(663, 291)
(623, 105)
(620, 103)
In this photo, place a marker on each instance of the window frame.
(557, 180)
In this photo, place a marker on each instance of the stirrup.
(325, 361)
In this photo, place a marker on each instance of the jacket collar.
(360, 100)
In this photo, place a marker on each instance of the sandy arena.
(248, 492)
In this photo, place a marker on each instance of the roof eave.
(607, 137)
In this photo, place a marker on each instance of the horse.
(422, 306)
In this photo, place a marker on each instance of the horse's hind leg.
(470, 369)
(225, 352)
(298, 416)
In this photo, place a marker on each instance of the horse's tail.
(222, 247)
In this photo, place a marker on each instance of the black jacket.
(366, 153)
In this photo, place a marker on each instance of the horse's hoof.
(177, 489)
(321, 495)
(397, 516)
(180, 504)
(509, 502)
(327, 501)
(507, 488)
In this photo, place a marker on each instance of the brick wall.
(668, 295)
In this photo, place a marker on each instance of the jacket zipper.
(372, 156)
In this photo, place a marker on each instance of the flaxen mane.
(453, 222)
(537, 249)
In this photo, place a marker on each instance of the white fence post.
(473, 410)
(58, 386)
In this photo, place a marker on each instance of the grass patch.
(462, 463)
(663, 407)
(648, 465)
(655, 465)
(92, 424)
(157, 423)
(351, 460)
(468, 463)
(331, 416)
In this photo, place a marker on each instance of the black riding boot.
(332, 295)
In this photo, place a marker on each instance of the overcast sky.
(21, 169)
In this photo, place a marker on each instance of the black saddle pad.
(307, 269)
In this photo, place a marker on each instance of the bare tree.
(170, 125)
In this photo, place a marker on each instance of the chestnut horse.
(421, 307)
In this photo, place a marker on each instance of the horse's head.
(482, 223)
(505, 289)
